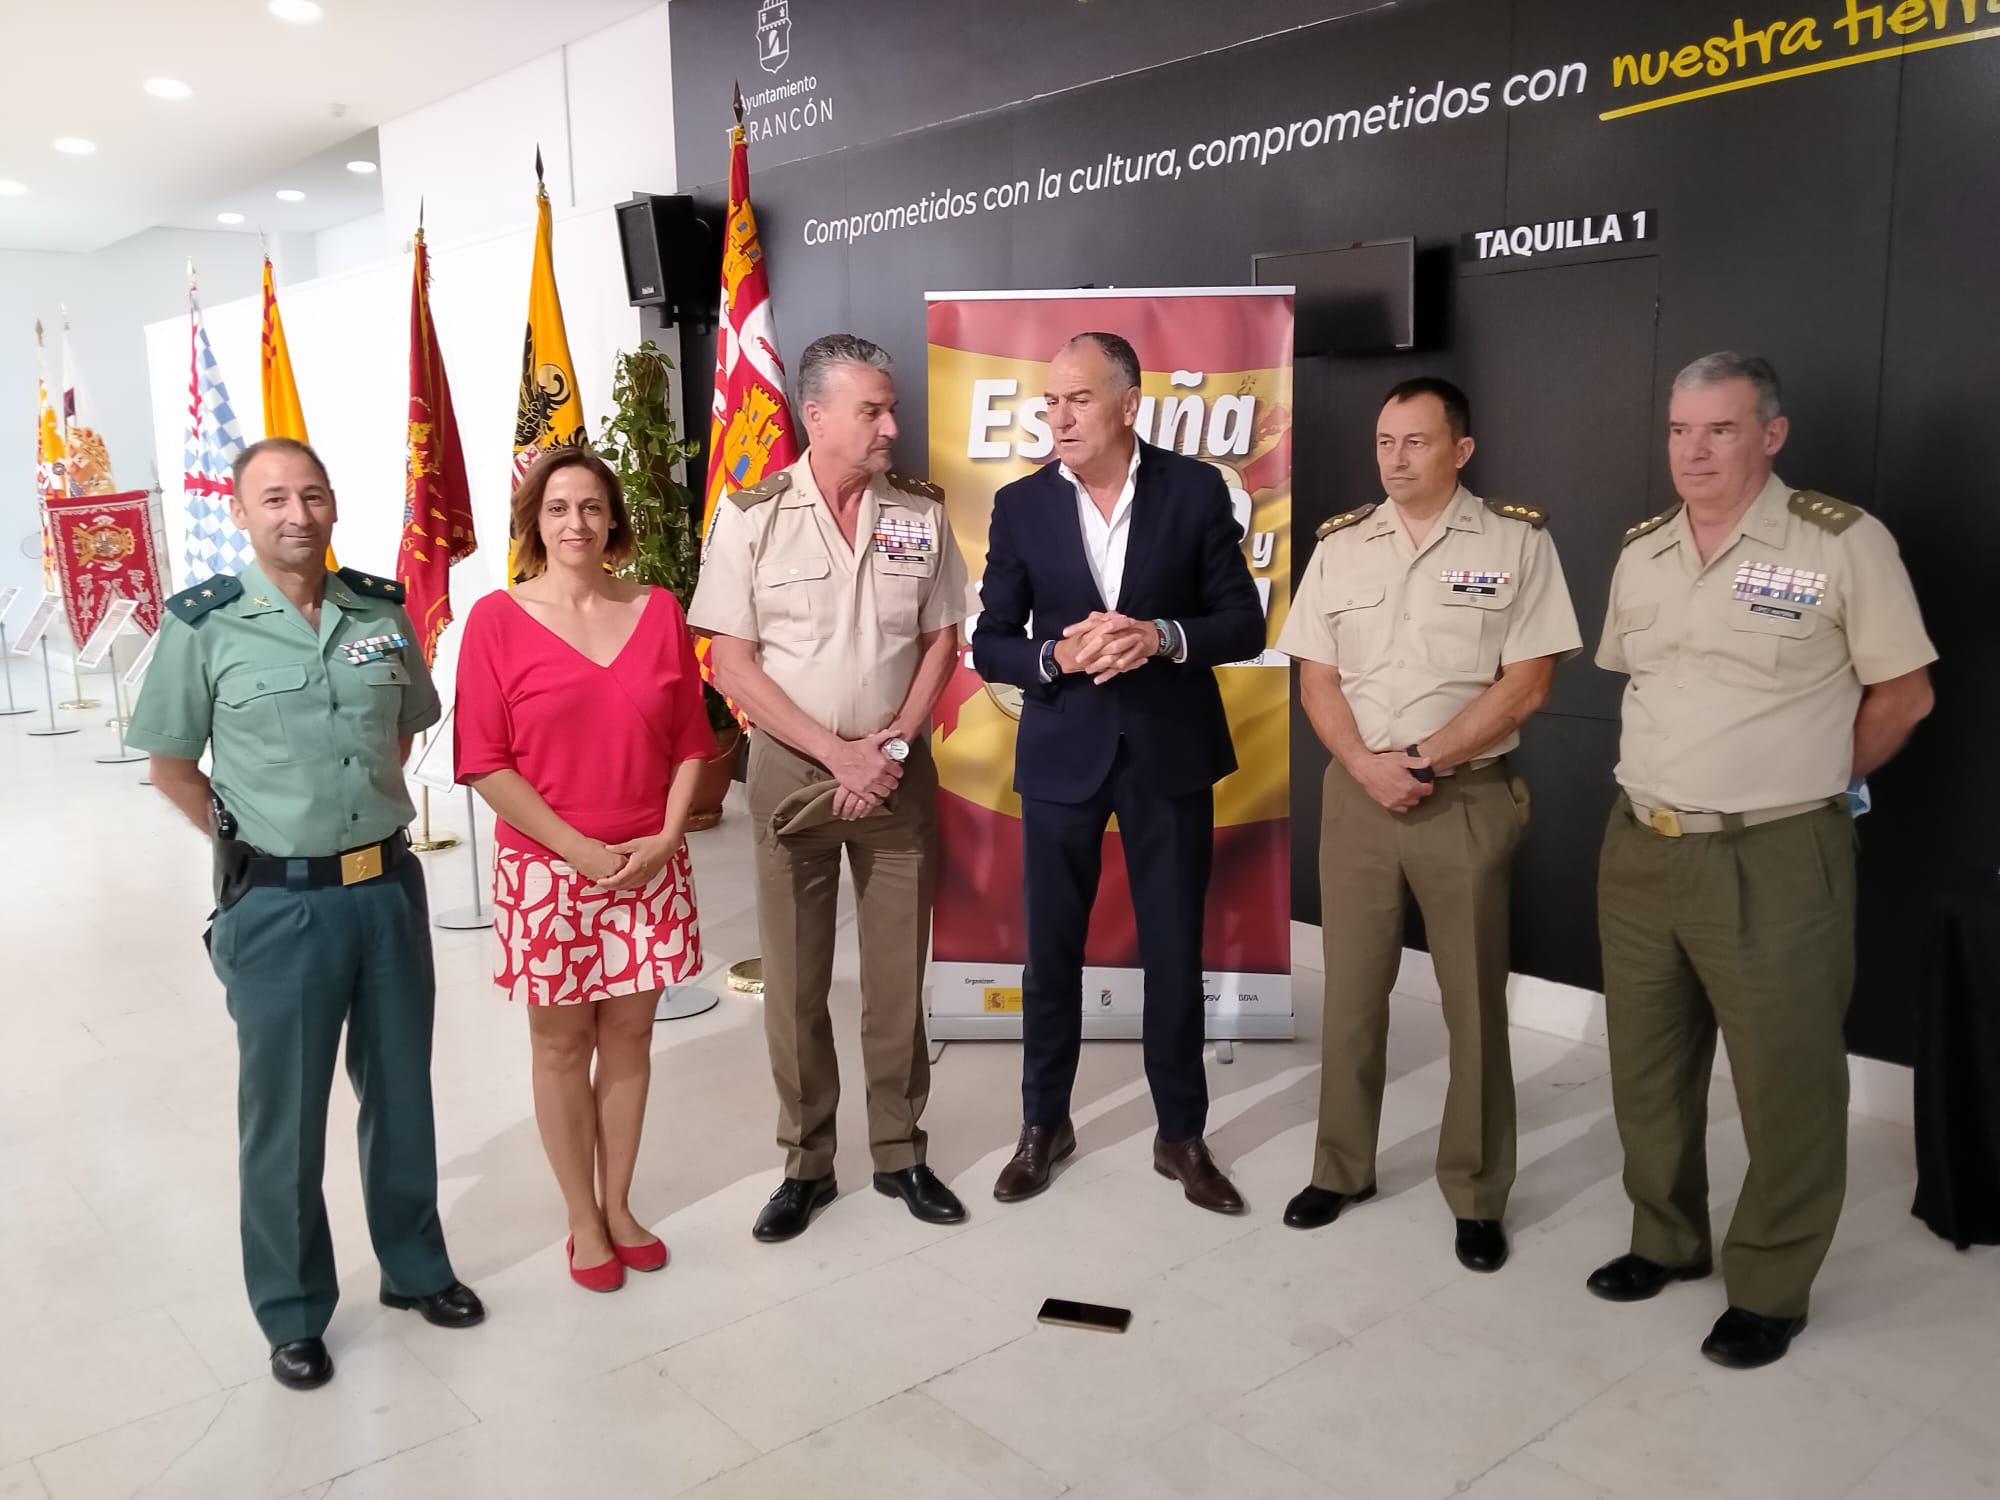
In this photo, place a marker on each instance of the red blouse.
(599, 743)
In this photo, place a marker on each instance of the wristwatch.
(1051, 668)
(1420, 773)
(1163, 638)
(896, 749)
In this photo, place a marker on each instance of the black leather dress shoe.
(1481, 1244)
(1633, 1278)
(457, 1306)
(301, 1365)
(1317, 1207)
(1744, 1340)
(928, 1198)
(1033, 1165)
(792, 1207)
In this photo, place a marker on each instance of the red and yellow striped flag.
(750, 429)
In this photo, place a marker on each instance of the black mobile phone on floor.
(1085, 1315)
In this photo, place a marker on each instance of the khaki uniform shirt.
(1420, 632)
(1747, 670)
(304, 739)
(838, 625)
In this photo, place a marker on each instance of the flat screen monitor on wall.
(1356, 299)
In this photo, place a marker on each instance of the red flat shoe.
(641, 1257)
(607, 1277)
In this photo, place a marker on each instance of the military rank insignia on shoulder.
(1650, 524)
(768, 488)
(192, 603)
(1824, 511)
(370, 587)
(921, 487)
(1515, 512)
(1345, 519)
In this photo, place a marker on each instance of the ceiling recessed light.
(363, 167)
(290, 195)
(168, 88)
(229, 218)
(298, 12)
(10, 188)
(74, 145)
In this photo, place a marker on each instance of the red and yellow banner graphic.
(51, 468)
(437, 508)
(750, 429)
(1217, 385)
(106, 548)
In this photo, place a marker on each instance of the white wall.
(600, 109)
(111, 294)
(357, 243)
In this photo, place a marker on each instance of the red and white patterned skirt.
(563, 941)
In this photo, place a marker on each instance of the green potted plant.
(641, 442)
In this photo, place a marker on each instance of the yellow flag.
(549, 413)
(283, 416)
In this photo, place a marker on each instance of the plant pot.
(712, 782)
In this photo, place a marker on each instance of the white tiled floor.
(876, 1357)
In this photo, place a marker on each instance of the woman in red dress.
(579, 720)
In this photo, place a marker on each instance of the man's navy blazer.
(1183, 562)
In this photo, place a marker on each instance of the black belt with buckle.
(310, 872)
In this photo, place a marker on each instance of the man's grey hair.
(1123, 357)
(817, 364)
(1714, 369)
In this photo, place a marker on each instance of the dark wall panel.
(1836, 222)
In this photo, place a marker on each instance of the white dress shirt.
(1105, 537)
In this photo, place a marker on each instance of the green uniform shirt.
(305, 741)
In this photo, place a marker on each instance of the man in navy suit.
(1115, 584)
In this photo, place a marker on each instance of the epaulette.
(1825, 512)
(1345, 519)
(192, 603)
(1651, 523)
(372, 587)
(917, 487)
(768, 488)
(1518, 513)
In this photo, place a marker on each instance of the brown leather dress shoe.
(1034, 1163)
(1189, 1164)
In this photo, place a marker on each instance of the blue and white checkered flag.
(214, 543)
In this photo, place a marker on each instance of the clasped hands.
(628, 865)
(865, 774)
(1105, 643)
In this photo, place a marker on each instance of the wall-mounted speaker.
(669, 253)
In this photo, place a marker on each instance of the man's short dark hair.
(241, 464)
(1457, 410)
(1119, 351)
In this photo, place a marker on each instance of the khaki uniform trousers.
(1752, 933)
(1454, 852)
(892, 855)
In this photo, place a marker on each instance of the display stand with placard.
(433, 768)
(36, 633)
(136, 674)
(7, 598)
(92, 656)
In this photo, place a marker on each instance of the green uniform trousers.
(893, 855)
(1751, 932)
(1454, 852)
(296, 964)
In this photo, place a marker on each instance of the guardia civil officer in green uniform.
(1775, 651)
(306, 687)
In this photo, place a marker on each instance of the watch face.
(896, 749)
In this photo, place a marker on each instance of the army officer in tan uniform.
(1427, 629)
(1776, 651)
(832, 592)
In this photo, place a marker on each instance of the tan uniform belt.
(1670, 823)
(1474, 765)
